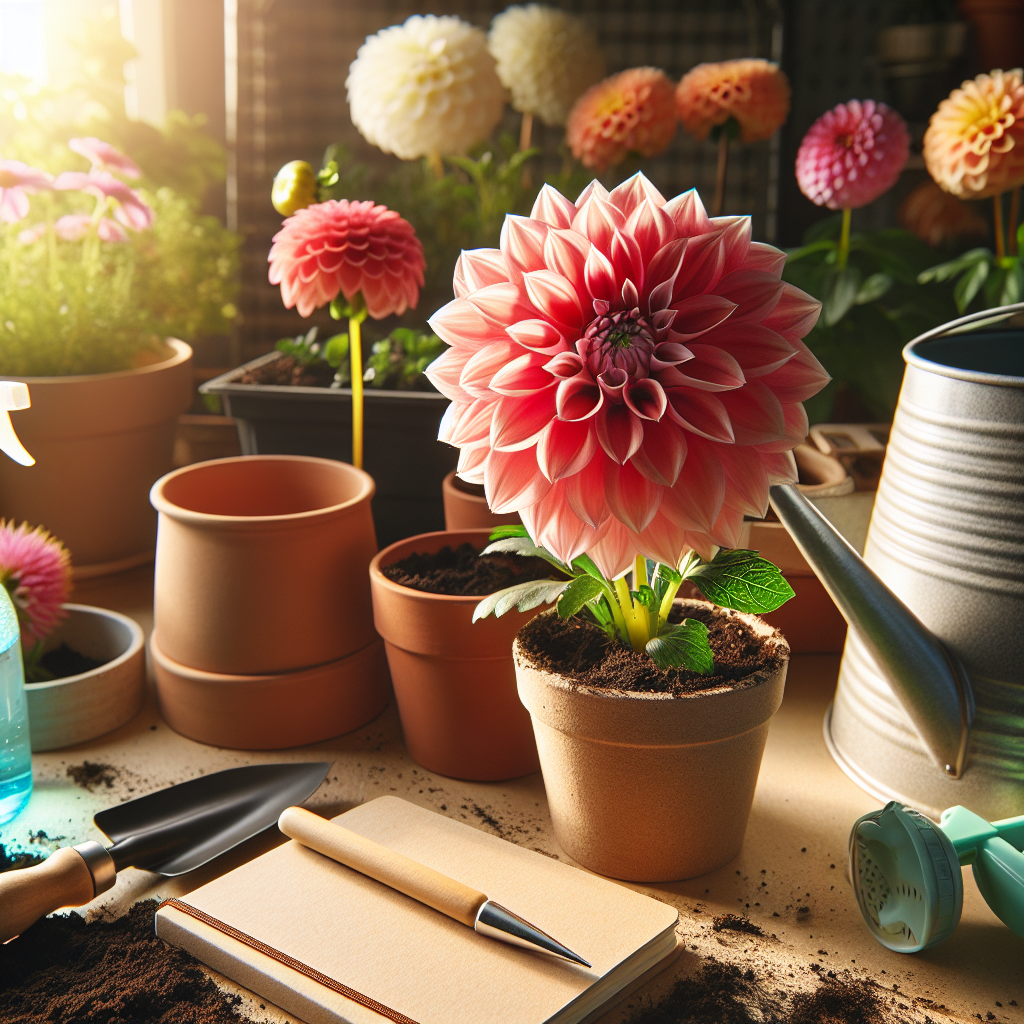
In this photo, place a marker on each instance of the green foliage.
(639, 618)
(870, 309)
(985, 280)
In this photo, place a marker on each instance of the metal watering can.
(929, 709)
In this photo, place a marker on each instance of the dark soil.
(64, 971)
(735, 923)
(725, 994)
(464, 572)
(582, 651)
(287, 370)
(91, 775)
(11, 858)
(64, 661)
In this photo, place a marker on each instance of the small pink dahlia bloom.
(17, 180)
(852, 154)
(74, 226)
(344, 247)
(626, 373)
(130, 208)
(103, 155)
(36, 570)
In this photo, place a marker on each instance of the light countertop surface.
(790, 878)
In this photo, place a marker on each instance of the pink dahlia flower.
(36, 570)
(348, 248)
(103, 155)
(73, 226)
(129, 207)
(626, 373)
(17, 180)
(852, 154)
(631, 112)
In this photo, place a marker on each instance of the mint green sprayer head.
(906, 873)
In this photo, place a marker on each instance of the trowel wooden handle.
(27, 894)
(385, 865)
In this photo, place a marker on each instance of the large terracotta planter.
(465, 507)
(77, 708)
(261, 563)
(648, 787)
(454, 680)
(99, 441)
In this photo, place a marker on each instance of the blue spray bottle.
(15, 743)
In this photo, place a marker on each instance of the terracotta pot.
(271, 712)
(99, 441)
(261, 563)
(77, 708)
(454, 681)
(647, 787)
(465, 507)
(998, 31)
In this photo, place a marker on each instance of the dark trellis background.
(293, 58)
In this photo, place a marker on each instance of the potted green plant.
(650, 394)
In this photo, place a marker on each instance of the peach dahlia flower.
(626, 373)
(753, 91)
(974, 145)
(631, 112)
(343, 247)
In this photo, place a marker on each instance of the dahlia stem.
(997, 213)
(1014, 217)
(723, 163)
(633, 626)
(526, 131)
(436, 164)
(355, 362)
(844, 239)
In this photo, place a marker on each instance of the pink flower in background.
(101, 154)
(74, 226)
(626, 373)
(346, 248)
(29, 236)
(852, 154)
(129, 207)
(17, 180)
(36, 570)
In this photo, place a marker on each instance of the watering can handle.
(927, 679)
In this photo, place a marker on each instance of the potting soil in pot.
(582, 651)
(464, 572)
(288, 371)
(64, 661)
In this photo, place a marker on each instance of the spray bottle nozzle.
(13, 395)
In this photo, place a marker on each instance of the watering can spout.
(927, 679)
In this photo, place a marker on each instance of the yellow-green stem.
(640, 572)
(997, 213)
(355, 358)
(634, 628)
(844, 239)
(666, 601)
(436, 164)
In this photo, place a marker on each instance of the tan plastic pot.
(271, 712)
(99, 441)
(648, 787)
(454, 680)
(465, 507)
(261, 564)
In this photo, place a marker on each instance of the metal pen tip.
(498, 922)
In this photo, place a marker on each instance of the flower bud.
(294, 188)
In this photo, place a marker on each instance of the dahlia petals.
(645, 398)
(628, 262)
(614, 553)
(698, 314)
(711, 369)
(756, 348)
(444, 373)
(696, 499)
(802, 377)
(468, 424)
(557, 528)
(755, 293)
(756, 415)
(729, 530)
(471, 462)
(537, 335)
(662, 271)
(735, 241)
(565, 364)
(634, 192)
(523, 375)
(553, 208)
(512, 481)
(565, 253)
(780, 467)
(620, 432)
(632, 498)
(460, 325)
(553, 296)
(746, 480)
(595, 188)
(500, 304)
(516, 422)
(477, 268)
(689, 214)
(564, 449)
(701, 413)
(795, 430)
(701, 266)
(578, 398)
(584, 491)
(522, 240)
(599, 221)
(651, 227)
(660, 458)
(764, 257)
(795, 313)
(599, 275)
(630, 296)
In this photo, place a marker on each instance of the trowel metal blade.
(182, 827)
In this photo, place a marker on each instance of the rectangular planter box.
(400, 447)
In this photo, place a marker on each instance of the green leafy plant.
(639, 617)
(872, 304)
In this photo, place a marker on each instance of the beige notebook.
(408, 957)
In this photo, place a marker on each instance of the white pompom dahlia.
(547, 59)
(426, 87)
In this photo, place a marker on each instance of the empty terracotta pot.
(261, 564)
(454, 680)
(648, 787)
(99, 441)
(465, 507)
(271, 712)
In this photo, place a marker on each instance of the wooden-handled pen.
(458, 901)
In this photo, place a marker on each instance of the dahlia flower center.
(620, 341)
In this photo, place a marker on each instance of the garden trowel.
(170, 832)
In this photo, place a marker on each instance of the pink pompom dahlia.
(17, 180)
(36, 570)
(755, 92)
(631, 112)
(348, 248)
(626, 373)
(852, 154)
